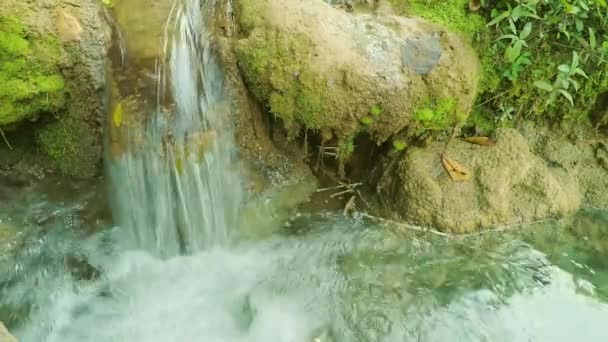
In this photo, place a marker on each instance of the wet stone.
(5, 336)
(421, 53)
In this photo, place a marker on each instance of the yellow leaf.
(457, 172)
(117, 115)
(109, 3)
(483, 141)
(179, 165)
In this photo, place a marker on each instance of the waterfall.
(176, 186)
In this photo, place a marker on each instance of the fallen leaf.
(117, 115)
(68, 27)
(483, 141)
(457, 172)
(474, 5)
(179, 165)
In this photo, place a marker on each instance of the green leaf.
(592, 39)
(498, 19)
(574, 63)
(526, 31)
(567, 96)
(512, 25)
(366, 120)
(543, 85)
(564, 68)
(581, 72)
(508, 36)
(510, 54)
(579, 25)
(517, 12)
(376, 110)
(399, 145)
(574, 83)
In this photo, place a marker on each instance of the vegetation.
(552, 56)
(438, 114)
(545, 60)
(31, 82)
(272, 60)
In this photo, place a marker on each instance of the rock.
(65, 44)
(509, 184)
(584, 162)
(146, 29)
(5, 336)
(318, 67)
(421, 53)
(68, 27)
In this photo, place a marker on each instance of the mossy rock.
(52, 94)
(29, 73)
(319, 68)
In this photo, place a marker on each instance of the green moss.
(456, 16)
(453, 14)
(346, 148)
(272, 64)
(31, 82)
(63, 141)
(367, 120)
(250, 13)
(376, 110)
(440, 114)
(399, 145)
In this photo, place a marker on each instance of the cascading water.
(176, 186)
(154, 279)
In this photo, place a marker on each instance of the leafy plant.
(399, 145)
(376, 110)
(366, 120)
(543, 47)
(563, 81)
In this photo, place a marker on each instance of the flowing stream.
(189, 260)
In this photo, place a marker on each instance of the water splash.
(176, 187)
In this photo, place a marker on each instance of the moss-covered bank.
(29, 73)
(52, 91)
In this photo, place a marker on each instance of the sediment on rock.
(508, 183)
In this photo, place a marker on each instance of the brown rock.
(68, 27)
(509, 184)
(5, 336)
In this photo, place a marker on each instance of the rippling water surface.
(337, 279)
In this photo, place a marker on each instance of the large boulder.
(321, 68)
(52, 67)
(508, 184)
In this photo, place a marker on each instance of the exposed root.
(407, 226)
(5, 139)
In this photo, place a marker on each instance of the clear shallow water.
(336, 280)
